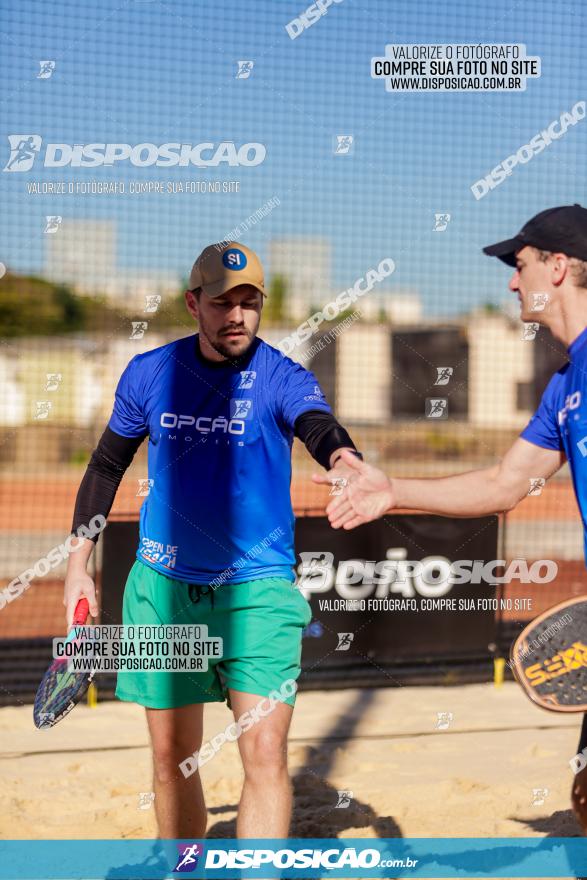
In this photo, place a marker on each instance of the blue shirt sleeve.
(543, 429)
(127, 417)
(299, 392)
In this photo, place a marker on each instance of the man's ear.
(560, 268)
(191, 304)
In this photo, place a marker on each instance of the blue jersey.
(220, 437)
(560, 422)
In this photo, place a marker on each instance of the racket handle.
(80, 615)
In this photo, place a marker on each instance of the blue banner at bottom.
(293, 858)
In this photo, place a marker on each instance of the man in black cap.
(549, 255)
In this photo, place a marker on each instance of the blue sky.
(135, 71)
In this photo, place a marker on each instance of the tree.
(274, 308)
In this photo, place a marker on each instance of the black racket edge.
(517, 648)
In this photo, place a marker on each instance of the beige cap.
(220, 267)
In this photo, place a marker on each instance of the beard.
(228, 349)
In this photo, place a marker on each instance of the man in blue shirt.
(216, 547)
(549, 255)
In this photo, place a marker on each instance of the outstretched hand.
(366, 494)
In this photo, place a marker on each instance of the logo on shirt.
(317, 395)
(240, 408)
(572, 401)
(247, 378)
(202, 424)
(156, 551)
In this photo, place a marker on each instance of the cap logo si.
(234, 259)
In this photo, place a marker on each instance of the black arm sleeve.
(321, 434)
(109, 461)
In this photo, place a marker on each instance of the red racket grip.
(80, 615)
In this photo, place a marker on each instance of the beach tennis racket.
(61, 689)
(549, 657)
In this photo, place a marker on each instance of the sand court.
(466, 761)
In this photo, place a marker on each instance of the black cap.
(560, 230)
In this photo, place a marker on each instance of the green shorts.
(259, 621)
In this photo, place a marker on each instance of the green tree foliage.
(274, 307)
(32, 306)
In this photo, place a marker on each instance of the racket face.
(61, 689)
(58, 693)
(549, 658)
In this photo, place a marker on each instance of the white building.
(499, 363)
(82, 254)
(500, 360)
(364, 374)
(132, 287)
(393, 306)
